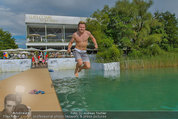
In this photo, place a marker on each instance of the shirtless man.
(81, 39)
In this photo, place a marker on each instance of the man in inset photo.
(10, 101)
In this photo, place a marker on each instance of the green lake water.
(153, 89)
(4, 75)
(122, 95)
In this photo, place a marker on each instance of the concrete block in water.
(61, 63)
(113, 66)
(11, 65)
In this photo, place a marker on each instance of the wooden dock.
(32, 79)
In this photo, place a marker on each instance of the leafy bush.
(1, 55)
(135, 53)
(175, 50)
(110, 54)
(153, 50)
(166, 47)
(176, 45)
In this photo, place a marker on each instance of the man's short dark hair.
(81, 22)
(10, 97)
(13, 97)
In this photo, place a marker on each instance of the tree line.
(6, 40)
(129, 29)
(126, 29)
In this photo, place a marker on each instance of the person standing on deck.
(81, 39)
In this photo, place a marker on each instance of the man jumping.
(81, 39)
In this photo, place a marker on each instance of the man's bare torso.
(81, 40)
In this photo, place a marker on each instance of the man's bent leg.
(78, 65)
(85, 66)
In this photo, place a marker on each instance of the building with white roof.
(46, 31)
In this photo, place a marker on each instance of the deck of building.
(32, 79)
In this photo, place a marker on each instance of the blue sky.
(12, 11)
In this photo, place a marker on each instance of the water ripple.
(71, 93)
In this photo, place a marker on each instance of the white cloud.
(165, 5)
(12, 11)
(11, 21)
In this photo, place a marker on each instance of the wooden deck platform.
(32, 79)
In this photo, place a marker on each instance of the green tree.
(120, 27)
(107, 50)
(6, 40)
(130, 27)
(170, 26)
(102, 17)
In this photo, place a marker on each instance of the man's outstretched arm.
(70, 44)
(94, 41)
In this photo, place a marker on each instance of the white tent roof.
(50, 49)
(31, 49)
(63, 50)
(19, 49)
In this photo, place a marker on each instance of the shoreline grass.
(147, 62)
(160, 61)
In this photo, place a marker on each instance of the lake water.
(152, 89)
(4, 75)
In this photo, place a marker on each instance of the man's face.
(81, 28)
(9, 106)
